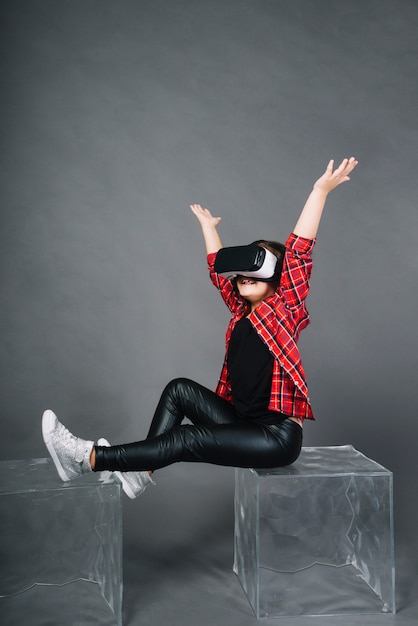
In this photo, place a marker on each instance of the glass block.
(316, 537)
(60, 547)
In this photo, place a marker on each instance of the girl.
(255, 418)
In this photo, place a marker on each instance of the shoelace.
(64, 433)
(70, 440)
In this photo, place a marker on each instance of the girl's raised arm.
(209, 225)
(308, 222)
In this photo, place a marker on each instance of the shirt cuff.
(301, 245)
(211, 259)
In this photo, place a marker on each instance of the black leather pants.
(216, 435)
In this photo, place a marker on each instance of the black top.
(250, 367)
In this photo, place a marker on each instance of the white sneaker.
(133, 483)
(70, 454)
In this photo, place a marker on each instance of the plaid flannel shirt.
(278, 320)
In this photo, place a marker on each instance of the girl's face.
(254, 291)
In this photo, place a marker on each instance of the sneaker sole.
(49, 420)
(125, 485)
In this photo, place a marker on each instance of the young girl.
(255, 417)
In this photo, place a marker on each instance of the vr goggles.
(252, 261)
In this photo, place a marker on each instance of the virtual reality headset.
(253, 261)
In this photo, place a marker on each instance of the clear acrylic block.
(316, 537)
(60, 547)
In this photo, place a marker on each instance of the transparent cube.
(316, 537)
(60, 547)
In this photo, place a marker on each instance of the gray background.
(115, 116)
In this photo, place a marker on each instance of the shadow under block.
(60, 547)
(316, 537)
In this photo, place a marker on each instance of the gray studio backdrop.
(115, 116)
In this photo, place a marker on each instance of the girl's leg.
(216, 435)
(181, 398)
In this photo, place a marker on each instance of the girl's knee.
(179, 382)
(179, 385)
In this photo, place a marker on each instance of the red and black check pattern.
(278, 320)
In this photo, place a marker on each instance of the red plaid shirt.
(278, 320)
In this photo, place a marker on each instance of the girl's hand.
(308, 222)
(331, 179)
(204, 216)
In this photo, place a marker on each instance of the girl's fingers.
(342, 166)
(346, 166)
(352, 163)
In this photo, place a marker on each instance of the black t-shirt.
(250, 367)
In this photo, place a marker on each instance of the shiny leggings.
(216, 435)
